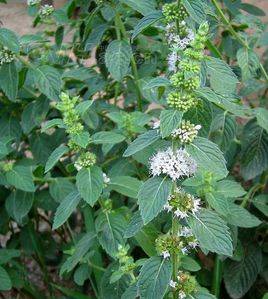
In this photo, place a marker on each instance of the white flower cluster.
(192, 244)
(6, 56)
(106, 179)
(155, 123)
(176, 44)
(186, 134)
(33, 2)
(165, 254)
(174, 164)
(46, 10)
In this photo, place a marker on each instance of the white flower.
(165, 254)
(174, 164)
(180, 214)
(155, 123)
(167, 207)
(106, 179)
(196, 203)
(173, 59)
(33, 2)
(77, 166)
(193, 244)
(186, 232)
(184, 250)
(182, 295)
(172, 283)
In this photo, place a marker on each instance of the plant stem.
(120, 24)
(174, 257)
(235, 34)
(217, 277)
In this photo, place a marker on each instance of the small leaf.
(262, 117)
(154, 278)
(125, 185)
(229, 189)
(144, 7)
(117, 58)
(82, 139)
(196, 10)
(55, 156)
(212, 232)
(9, 39)
(107, 138)
(95, 37)
(66, 208)
(9, 80)
(169, 121)
(142, 142)
(153, 196)
(134, 226)
(145, 22)
(89, 182)
(261, 203)
(248, 61)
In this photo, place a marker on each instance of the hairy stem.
(217, 277)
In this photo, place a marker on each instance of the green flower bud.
(45, 11)
(181, 101)
(189, 66)
(185, 285)
(6, 165)
(85, 160)
(194, 54)
(187, 132)
(172, 12)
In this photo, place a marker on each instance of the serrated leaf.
(56, 122)
(262, 117)
(9, 80)
(48, 81)
(233, 213)
(144, 7)
(141, 142)
(145, 22)
(21, 177)
(229, 189)
(134, 226)
(18, 204)
(248, 61)
(5, 281)
(222, 78)
(95, 37)
(240, 276)
(110, 228)
(81, 248)
(169, 121)
(208, 156)
(154, 278)
(8, 254)
(89, 182)
(125, 185)
(261, 203)
(196, 10)
(66, 208)
(82, 139)
(212, 232)
(156, 82)
(55, 156)
(153, 196)
(60, 187)
(107, 138)
(254, 158)
(117, 58)
(189, 264)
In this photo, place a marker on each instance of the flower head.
(33, 2)
(174, 164)
(85, 160)
(6, 56)
(45, 11)
(187, 132)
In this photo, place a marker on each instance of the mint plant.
(133, 151)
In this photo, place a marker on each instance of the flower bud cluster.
(6, 56)
(181, 101)
(182, 204)
(169, 244)
(6, 166)
(70, 116)
(126, 262)
(187, 132)
(174, 12)
(45, 11)
(85, 160)
(185, 285)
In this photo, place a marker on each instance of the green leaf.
(254, 158)
(144, 7)
(89, 182)
(71, 293)
(212, 232)
(110, 228)
(107, 138)
(240, 276)
(117, 58)
(5, 281)
(56, 122)
(145, 22)
(66, 208)
(189, 264)
(222, 78)
(48, 81)
(169, 121)
(156, 82)
(153, 196)
(34, 114)
(154, 278)
(261, 203)
(262, 117)
(10, 127)
(134, 226)
(10, 40)
(60, 187)
(233, 213)
(9, 80)
(8, 254)
(80, 250)
(248, 61)
(196, 10)
(142, 142)
(55, 156)
(229, 189)
(208, 156)
(252, 9)
(82, 139)
(18, 204)
(21, 177)
(95, 37)
(125, 185)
